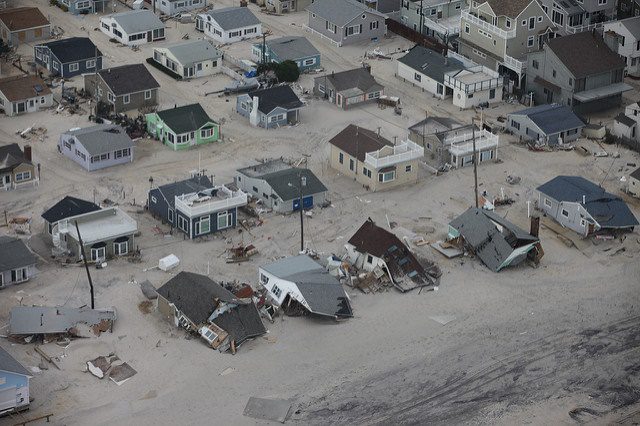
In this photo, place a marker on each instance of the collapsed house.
(496, 241)
(300, 285)
(51, 320)
(374, 249)
(200, 305)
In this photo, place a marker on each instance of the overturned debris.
(241, 253)
(78, 322)
(111, 366)
(272, 409)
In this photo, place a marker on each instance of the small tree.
(287, 71)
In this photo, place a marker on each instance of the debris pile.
(111, 366)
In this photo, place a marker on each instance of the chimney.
(584, 199)
(27, 152)
(535, 226)
(378, 132)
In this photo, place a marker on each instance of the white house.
(474, 86)
(623, 37)
(626, 125)
(189, 59)
(173, 7)
(134, 27)
(426, 69)
(229, 24)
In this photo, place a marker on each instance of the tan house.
(23, 25)
(21, 94)
(16, 168)
(374, 161)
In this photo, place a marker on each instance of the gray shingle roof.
(68, 207)
(188, 186)
(265, 168)
(230, 18)
(571, 50)
(279, 182)
(430, 63)
(54, 319)
(11, 156)
(14, 254)
(10, 364)
(607, 209)
(128, 79)
(340, 12)
(357, 141)
(189, 52)
(73, 49)
(552, 118)
(137, 21)
(102, 138)
(356, 78)
(510, 8)
(185, 118)
(274, 97)
(624, 119)
(292, 48)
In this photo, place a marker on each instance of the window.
(309, 61)
(23, 176)
(387, 176)
(55, 66)
(276, 291)
(602, 2)
(104, 157)
(507, 23)
(530, 41)
(109, 96)
(353, 30)
(583, 222)
(38, 54)
(535, 64)
(515, 124)
(158, 33)
(553, 73)
(366, 172)
(126, 99)
(154, 199)
(547, 202)
(373, 95)
(331, 27)
(564, 213)
(67, 145)
(492, 94)
(91, 63)
(250, 31)
(74, 67)
(136, 37)
(539, 18)
(440, 89)
(203, 226)
(97, 253)
(170, 215)
(341, 158)
(373, 25)
(417, 77)
(183, 224)
(95, 159)
(466, 28)
(532, 22)
(206, 133)
(352, 164)
(147, 94)
(121, 248)
(224, 220)
(18, 275)
(369, 259)
(407, 168)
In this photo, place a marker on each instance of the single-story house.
(496, 241)
(82, 7)
(584, 207)
(20, 25)
(183, 127)
(66, 208)
(68, 57)
(300, 285)
(173, 7)
(373, 247)
(123, 88)
(372, 160)
(133, 27)
(196, 206)
(97, 147)
(286, 6)
(21, 94)
(625, 124)
(200, 305)
(277, 185)
(17, 263)
(426, 69)
(189, 59)
(16, 167)
(14, 386)
(229, 24)
(348, 88)
(552, 124)
(273, 107)
(633, 184)
(290, 48)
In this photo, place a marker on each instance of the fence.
(414, 36)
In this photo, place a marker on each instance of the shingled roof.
(274, 97)
(508, 8)
(68, 207)
(22, 18)
(186, 118)
(357, 141)
(14, 254)
(11, 156)
(19, 87)
(128, 79)
(73, 49)
(571, 52)
(359, 78)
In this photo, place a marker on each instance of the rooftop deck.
(213, 200)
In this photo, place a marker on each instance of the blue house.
(78, 7)
(196, 206)
(296, 49)
(269, 108)
(14, 384)
(69, 57)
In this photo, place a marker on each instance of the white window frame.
(228, 217)
(547, 202)
(386, 178)
(564, 213)
(91, 63)
(170, 214)
(126, 99)
(97, 252)
(21, 274)
(117, 248)
(207, 220)
(74, 67)
(147, 94)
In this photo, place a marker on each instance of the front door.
(7, 179)
(148, 35)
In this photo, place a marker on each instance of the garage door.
(307, 202)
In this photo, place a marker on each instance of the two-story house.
(436, 18)
(372, 160)
(579, 71)
(576, 16)
(623, 37)
(500, 33)
(628, 8)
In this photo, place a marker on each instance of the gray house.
(290, 48)
(348, 88)
(583, 206)
(273, 107)
(66, 208)
(20, 25)
(551, 124)
(69, 57)
(577, 16)
(17, 263)
(277, 185)
(346, 21)
(437, 18)
(123, 88)
(97, 147)
(563, 72)
(173, 7)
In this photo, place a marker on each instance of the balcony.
(467, 16)
(392, 155)
(462, 144)
(444, 26)
(583, 28)
(210, 201)
(473, 79)
(514, 64)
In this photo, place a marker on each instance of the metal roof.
(11, 365)
(229, 18)
(340, 12)
(102, 138)
(137, 21)
(552, 118)
(189, 52)
(51, 319)
(430, 63)
(14, 254)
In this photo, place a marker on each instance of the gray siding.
(6, 276)
(575, 213)
(67, 145)
(522, 126)
(136, 100)
(320, 24)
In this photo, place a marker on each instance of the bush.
(53, 2)
(287, 71)
(63, 7)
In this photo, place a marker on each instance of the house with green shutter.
(183, 127)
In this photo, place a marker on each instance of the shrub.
(287, 71)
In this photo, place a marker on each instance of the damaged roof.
(24, 320)
(492, 238)
(21, 87)
(242, 322)
(11, 365)
(609, 210)
(14, 254)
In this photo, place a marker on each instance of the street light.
(302, 184)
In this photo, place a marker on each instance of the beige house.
(374, 161)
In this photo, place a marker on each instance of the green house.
(183, 127)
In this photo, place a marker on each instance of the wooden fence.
(414, 36)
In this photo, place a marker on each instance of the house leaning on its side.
(189, 59)
(17, 169)
(23, 25)
(583, 206)
(290, 48)
(196, 206)
(14, 386)
(372, 160)
(133, 27)
(270, 108)
(68, 57)
(348, 88)
(229, 24)
(17, 263)
(183, 127)
(24, 94)
(97, 147)
(277, 185)
(552, 124)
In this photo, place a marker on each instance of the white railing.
(319, 34)
(491, 82)
(514, 64)
(404, 151)
(466, 16)
(185, 204)
(583, 28)
(441, 29)
(463, 143)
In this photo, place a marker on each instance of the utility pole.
(302, 182)
(264, 44)
(421, 18)
(86, 265)
(475, 162)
